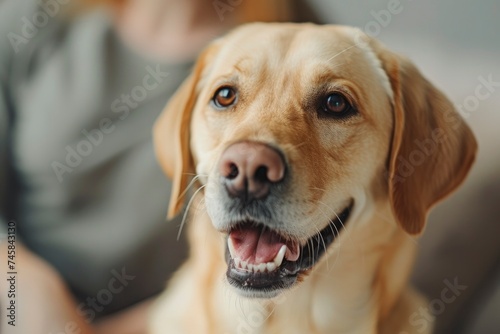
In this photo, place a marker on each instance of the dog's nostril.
(249, 170)
(233, 173)
(261, 174)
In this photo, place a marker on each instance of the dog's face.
(294, 131)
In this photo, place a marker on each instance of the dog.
(317, 154)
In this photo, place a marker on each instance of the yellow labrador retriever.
(318, 154)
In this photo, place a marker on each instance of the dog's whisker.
(238, 306)
(324, 246)
(191, 183)
(316, 188)
(333, 232)
(186, 212)
(320, 240)
(341, 52)
(341, 224)
(309, 247)
(297, 145)
(195, 174)
(271, 312)
(332, 225)
(336, 215)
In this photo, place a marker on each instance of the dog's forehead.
(287, 44)
(308, 48)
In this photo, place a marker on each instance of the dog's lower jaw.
(338, 296)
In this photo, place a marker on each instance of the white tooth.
(250, 267)
(243, 264)
(230, 246)
(237, 262)
(270, 266)
(278, 259)
(262, 267)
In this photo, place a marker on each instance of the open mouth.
(262, 262)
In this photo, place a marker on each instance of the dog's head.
(293, 130)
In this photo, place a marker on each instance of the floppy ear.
(432, 149)
(171, 136)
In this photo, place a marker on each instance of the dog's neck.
(339, 294)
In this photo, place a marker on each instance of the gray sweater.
(78, 174)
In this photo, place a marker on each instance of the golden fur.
(360, 284)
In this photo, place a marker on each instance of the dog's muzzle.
(262, 259)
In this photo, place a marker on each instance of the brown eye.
(224, 97)
(336, 105)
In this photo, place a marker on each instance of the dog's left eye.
(224, 97)
(336, 105)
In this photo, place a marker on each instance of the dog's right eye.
(224, 97)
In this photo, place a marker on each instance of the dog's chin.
(262, 263)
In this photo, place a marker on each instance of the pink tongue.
(254, 245)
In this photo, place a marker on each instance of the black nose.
(249, 169)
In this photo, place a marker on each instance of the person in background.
(81, 84)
